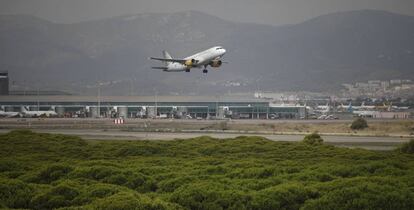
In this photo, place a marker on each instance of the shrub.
(359, 124)
(96, 172)
(60, 196)
(102, 190)
(365, 195)
(138, 150)
(170, 185)
(313, 139)
(285, 196)
(14, 194)
(27, 132)
(112, 175)
(210, 195)
(8, 165)
(408, 147)
(51, 173)
(130, 201)
(141, 183)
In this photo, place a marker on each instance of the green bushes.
(101, 190)
(8, 165)
(43, 171)
(96, 172)
(51, 173)
(359, 124)
(254, 172)
(138, 150)
(15, 194)
(130, 201)
(111, 175)
(210, 195)
(285, 196)
(171, 185)
(407, 147)
(61, 195)
(363, 195)
(313, 139)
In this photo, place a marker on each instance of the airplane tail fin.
(166, 56)
(23, 109)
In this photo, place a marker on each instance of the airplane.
(205, 58)
(400, 107)
(351, 108)
(365, 113)
(363, 106)
(9, 114)
(323, 109)
(323, 106)
(27, 113)
(393, 107)
(343, 107)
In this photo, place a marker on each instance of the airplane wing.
(162, 68)
(169, 60)
(166, 69)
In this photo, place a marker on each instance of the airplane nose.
(224, 51)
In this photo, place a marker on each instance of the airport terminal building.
(205, 107)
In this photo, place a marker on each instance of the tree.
(313, 139)
(359, 124)
(408, 147)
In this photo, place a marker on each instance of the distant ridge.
(318, 54)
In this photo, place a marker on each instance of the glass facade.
(237, 110)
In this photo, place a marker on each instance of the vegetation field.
(380, 128)
(44, 171)
(375, 127)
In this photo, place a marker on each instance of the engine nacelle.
(216, 63)
(190, 63)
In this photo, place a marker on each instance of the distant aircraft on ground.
(205, 58)
(364, 107)
(323, 109)
(27, 113)
(9, 114)
(351, 108)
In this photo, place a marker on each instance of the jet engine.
(190, 63)
(216, 63)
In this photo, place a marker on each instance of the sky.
(273, 12)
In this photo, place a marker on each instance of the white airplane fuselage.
(8, 114)
(202, 59)
(27, 113)
(39, 113)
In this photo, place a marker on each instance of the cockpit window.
(219, 48)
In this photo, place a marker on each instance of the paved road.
(373, 143)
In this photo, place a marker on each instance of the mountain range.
(319, 54)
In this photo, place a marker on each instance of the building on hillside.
(4, 83)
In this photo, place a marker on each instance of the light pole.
(38, 101)
(99, 99)
(156, 102)
(217, 98)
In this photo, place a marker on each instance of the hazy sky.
(273, 12)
